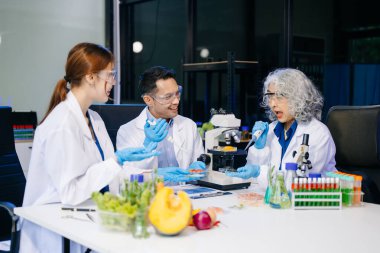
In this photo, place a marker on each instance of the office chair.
(356, 133)
(12, 183)
(114, 116)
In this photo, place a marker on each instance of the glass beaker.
(279, 198)
(140, 224)
(270, 178)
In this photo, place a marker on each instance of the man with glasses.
(178, 139)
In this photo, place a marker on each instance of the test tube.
(328, 189)
(323, 189)
(300, 189)
(319, 189)
(337, 189)
(309, 203)
(357, 189)
(349, 190)
(295, 189)
(343, 187)
(305, 203)
(314, 190)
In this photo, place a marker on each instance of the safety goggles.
(168, 98)
(107, 75)
(274, 95)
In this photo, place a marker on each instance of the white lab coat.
(321, 150)
(187, 141)
(65, 167)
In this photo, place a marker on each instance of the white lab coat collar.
(297, 137)
(141, 119)
(74, 106)
(302, 128)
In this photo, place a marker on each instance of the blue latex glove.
(248, 171)
(197, 165)
(260, 125)
(174, 174)
(134, 154)
(155, 133)
(151, 146)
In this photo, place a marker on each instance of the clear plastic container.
(113, 221)
(348, 190)
(357, 198)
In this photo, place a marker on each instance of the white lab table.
(251, 229)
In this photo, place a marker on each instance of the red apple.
(202, 220)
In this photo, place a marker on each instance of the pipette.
(255, 137)
(152, 122)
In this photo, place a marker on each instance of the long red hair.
(83, 59)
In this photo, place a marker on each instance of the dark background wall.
(327, 37)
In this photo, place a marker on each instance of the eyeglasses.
(168, 98)
(274, 95)
(108, 75)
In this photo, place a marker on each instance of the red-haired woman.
(73, 155)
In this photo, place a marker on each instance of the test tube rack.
(317, 200)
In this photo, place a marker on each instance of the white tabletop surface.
(251, 229)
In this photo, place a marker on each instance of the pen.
(211, 194)
(78, 209)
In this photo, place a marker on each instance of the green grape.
(207, 126)
(133, 197)
(127, 209)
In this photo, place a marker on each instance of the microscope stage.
(220, 181)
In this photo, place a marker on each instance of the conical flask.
(279, 197)
(270, 177)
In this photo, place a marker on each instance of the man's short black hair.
(150, 76)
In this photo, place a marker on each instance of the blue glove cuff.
(118, 159)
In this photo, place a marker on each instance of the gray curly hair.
(304, 99)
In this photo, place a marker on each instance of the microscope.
(302, 158)
(222, 159)
(227, 130)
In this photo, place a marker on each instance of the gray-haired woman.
(294, 106)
